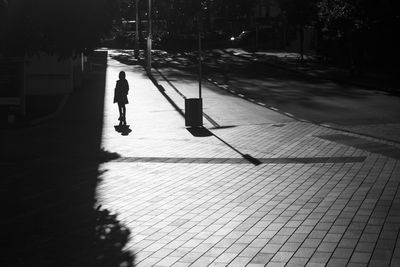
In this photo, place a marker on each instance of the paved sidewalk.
(320, 197)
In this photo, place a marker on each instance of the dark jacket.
(121, 92)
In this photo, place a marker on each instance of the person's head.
(122, 75)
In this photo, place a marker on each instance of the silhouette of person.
(121, 97)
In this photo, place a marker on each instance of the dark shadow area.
(123, 129)
(162, 91)
(202, 131)
(306, 97)
(127, 57)
(375, 77)
(39, 106)
(171, 84)
(49, 175)
(364, 144)
(223, 127)
(247, 157)
(105, 156)
(244, 74)
(199, 131)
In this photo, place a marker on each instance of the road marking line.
(262, 104)
(288, 114)
(240, 95)
(274, 108)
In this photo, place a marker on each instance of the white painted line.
(251, 99)
(224, 86)
(262, 104)
(288, 114)
(273, 108)
(232, 91)
(240, 95)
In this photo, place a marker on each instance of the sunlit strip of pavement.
(317, 201)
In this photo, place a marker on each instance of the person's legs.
(123, 112)
(120, 112)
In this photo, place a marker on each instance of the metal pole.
(149, 38)
(200, 63)
(200, 59)
(137, 30)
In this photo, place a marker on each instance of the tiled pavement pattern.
(311, 202)
(241, 160)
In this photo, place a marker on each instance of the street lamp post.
(149, 38)
(194, 106)
(137, 30)
(199, 52)
(200, 60)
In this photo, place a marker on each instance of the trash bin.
(193, 112)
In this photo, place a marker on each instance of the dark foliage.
(55, 26)
(361, 31)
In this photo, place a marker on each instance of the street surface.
(373, 112)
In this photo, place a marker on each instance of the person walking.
(121, 97)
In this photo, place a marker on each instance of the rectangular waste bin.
(193, 112)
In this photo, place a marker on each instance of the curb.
(231, 91)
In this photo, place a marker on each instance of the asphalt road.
(349, 107)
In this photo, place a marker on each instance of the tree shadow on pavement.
(245, 75)
(50, 214)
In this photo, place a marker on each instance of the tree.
(360, 27)
(61, 27)
(181, 15)
(299, 13)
